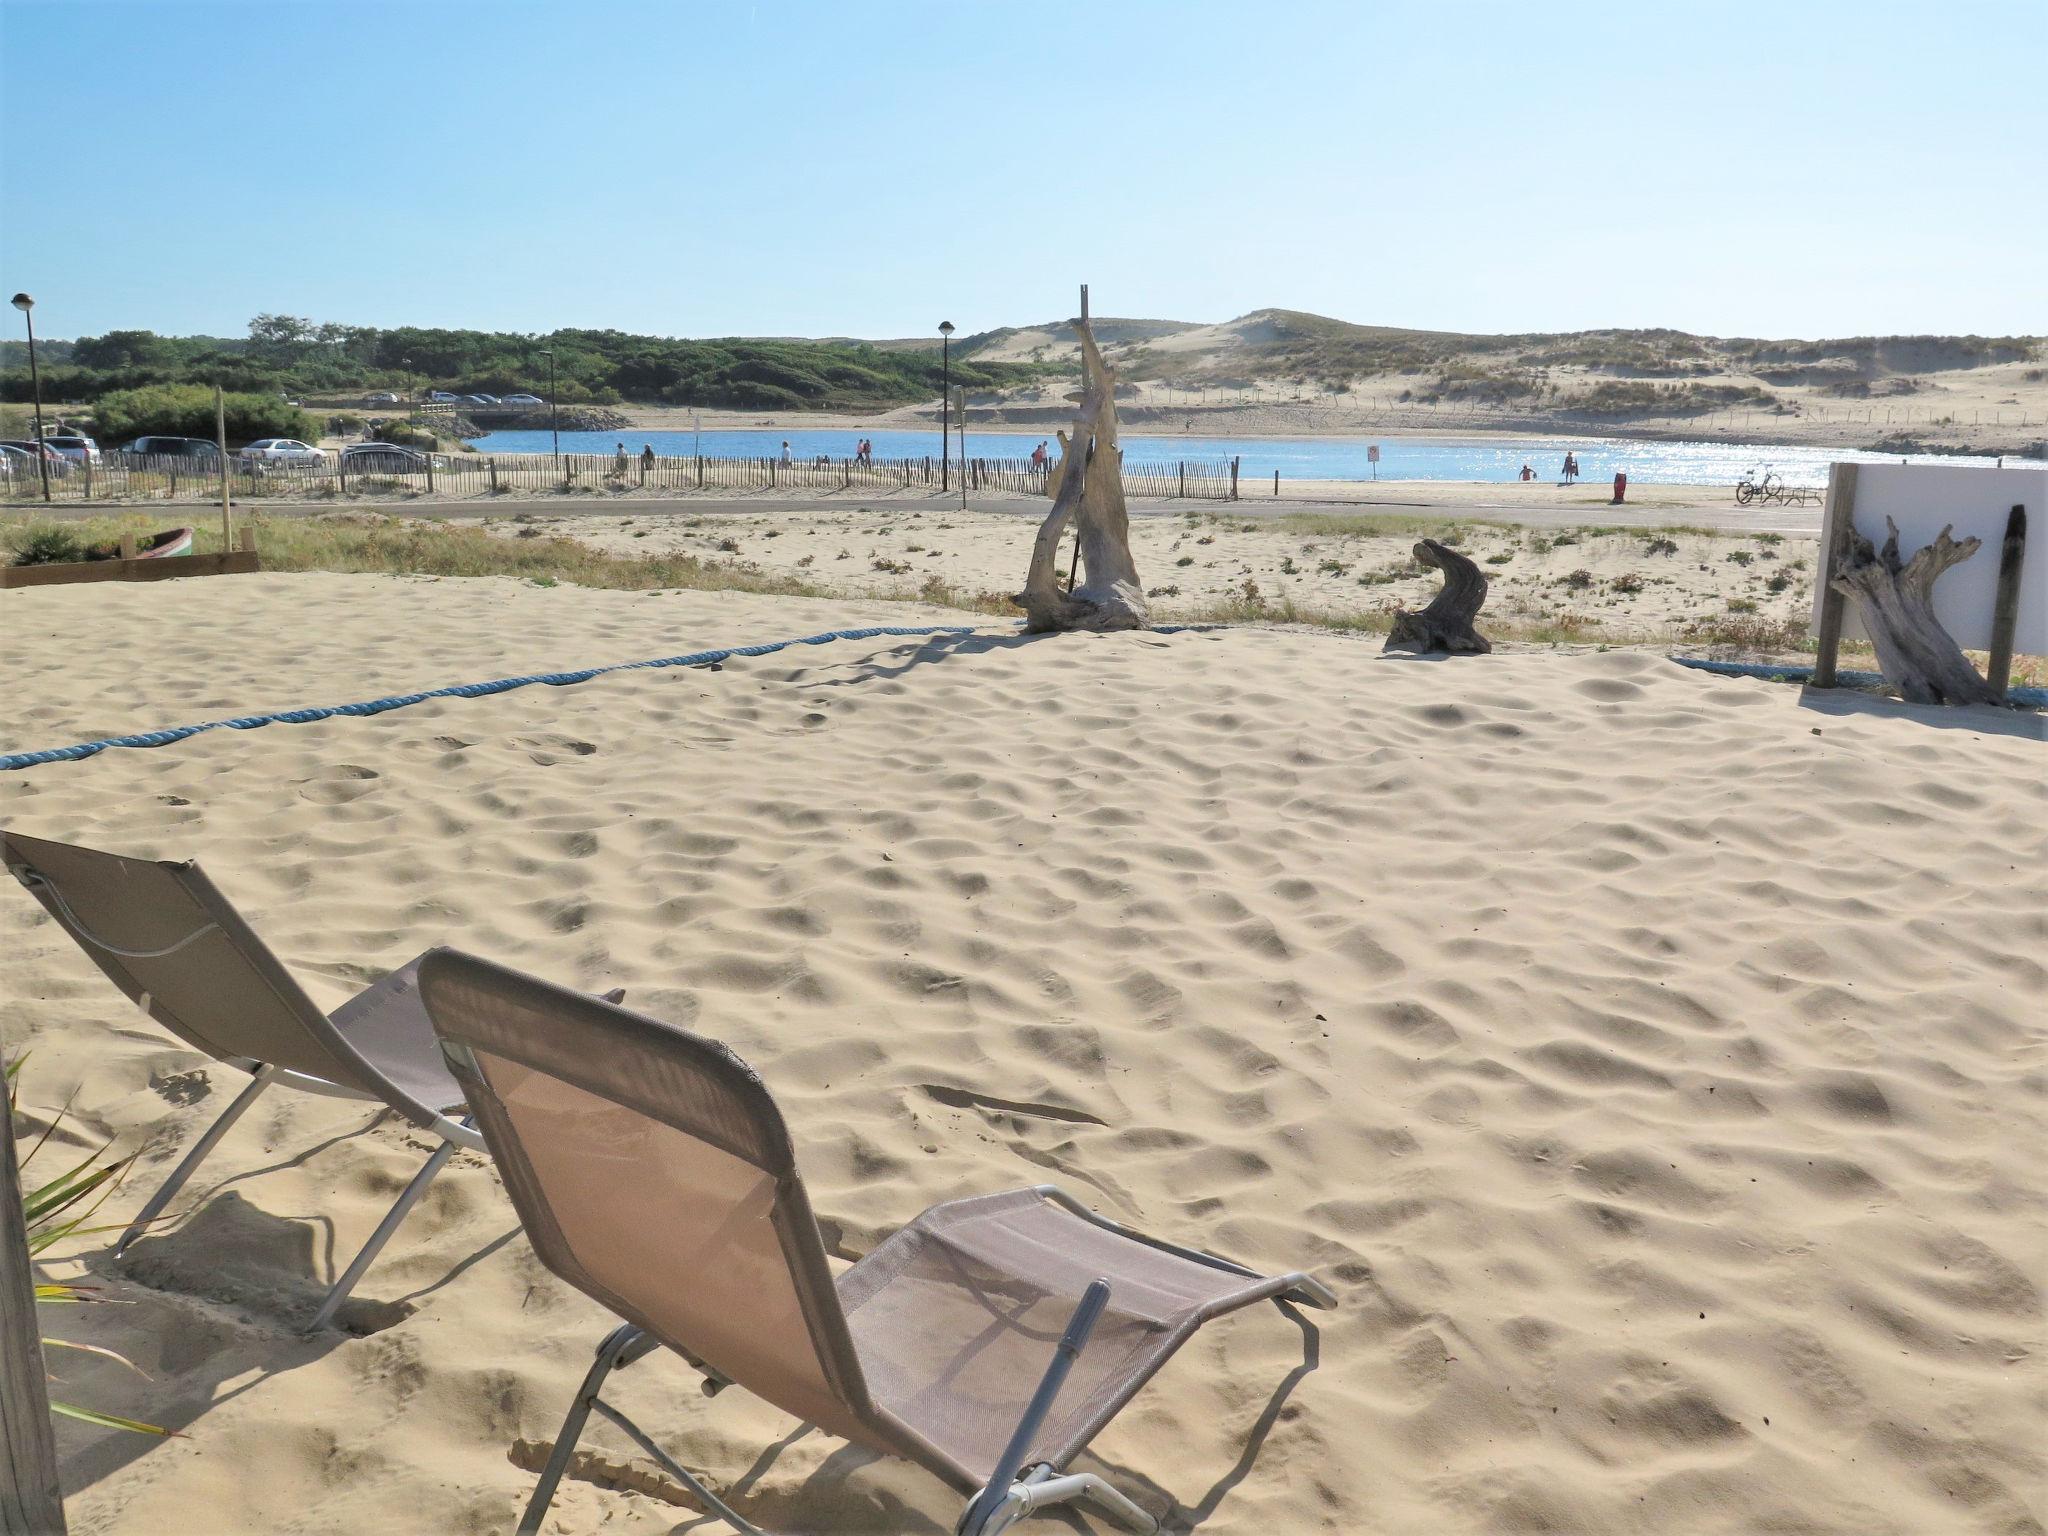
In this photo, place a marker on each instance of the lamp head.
(945, 327)
(24, 303)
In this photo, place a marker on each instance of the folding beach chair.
(652, 1171)
(167, 938)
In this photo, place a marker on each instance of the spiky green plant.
(57, 1210)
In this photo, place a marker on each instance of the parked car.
(59, 465)
(383, 398)
(388, 459)
(523, 400)
(75, 446)
(173, 447)
(483, 399)
(280, 451)
(442, 397)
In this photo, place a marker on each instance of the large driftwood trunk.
(1090, 494)
(1445, 626)
(1895, 601)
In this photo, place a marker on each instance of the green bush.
(186, 410)
(46, 545)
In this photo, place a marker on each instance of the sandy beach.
(1648, 1060)
(1621, 584)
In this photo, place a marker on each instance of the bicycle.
(1749, 488)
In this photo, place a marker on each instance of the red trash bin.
(1620, 490)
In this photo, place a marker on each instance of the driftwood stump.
(1895, 601)
(1090, 494)
(1446, 624)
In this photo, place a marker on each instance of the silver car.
(279, 451)
(388, 459)
(75, 446)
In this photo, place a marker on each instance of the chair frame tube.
(1007, 1498)
(453, 1134)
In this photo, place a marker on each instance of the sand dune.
(1650, 1061)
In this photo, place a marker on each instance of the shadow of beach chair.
(988, 1341)
(166, 936)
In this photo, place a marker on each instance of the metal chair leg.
(406, 1200)
(616, 1344)
(192, 1159)
(679, 1472)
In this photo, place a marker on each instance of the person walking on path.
(785, 453)
(619, 462)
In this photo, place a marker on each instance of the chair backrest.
(169, 940)
(653, 1172)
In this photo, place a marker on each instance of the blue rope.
(2033, 698)
(461, 691)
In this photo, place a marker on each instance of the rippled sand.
(1649, 1060)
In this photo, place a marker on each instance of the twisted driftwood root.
(1446, 624)
(1090, 493)
(1895, 601)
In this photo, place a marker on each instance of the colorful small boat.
(171, 542)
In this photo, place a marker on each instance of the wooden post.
(430, 470)
(248, 539)
(220, 442)
(1233, 477)
(1183, 479)
(1837, 526)
(31, 1499)
(128, 545)
(1276, 482)
(2005, 611)
(88, 476)
(494, 474)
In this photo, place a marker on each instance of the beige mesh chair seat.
(989, 1341)
(166, 936)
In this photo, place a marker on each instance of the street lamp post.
(554, 421)
(945, 398)
(24, 303)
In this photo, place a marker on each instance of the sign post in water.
(1372, 457)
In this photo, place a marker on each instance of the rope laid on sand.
(463, 691)
(2032, 698)
(2036, 698)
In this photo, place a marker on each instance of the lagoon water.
(1296, 458)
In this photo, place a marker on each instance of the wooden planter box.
(233, 563)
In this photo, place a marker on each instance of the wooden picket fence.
(126, 477)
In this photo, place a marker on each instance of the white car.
(282, 450)
(75, 446)
(523, 400)
(385, 398)
(442, 397)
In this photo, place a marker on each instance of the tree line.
(290, 355)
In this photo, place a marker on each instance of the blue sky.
(1798, 168)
